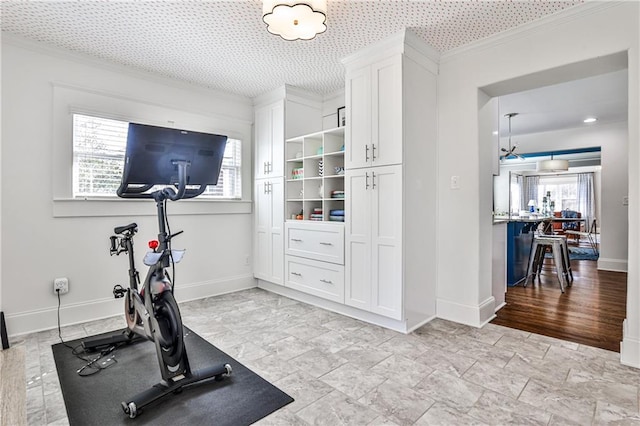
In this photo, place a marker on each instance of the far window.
(562, 190)
(98, 159)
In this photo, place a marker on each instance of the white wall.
(37, 247)
(589, 31)
(330, 107)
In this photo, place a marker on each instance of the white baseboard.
(475, 316)
(420, 324)
(204, 289)
(629, 349)
(615, 265)
(400, 326)
(75, 313)
(500, 306)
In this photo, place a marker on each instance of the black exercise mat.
(240, 399)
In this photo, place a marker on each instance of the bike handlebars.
(125, 190)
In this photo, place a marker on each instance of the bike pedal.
(118, 291)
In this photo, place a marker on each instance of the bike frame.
(141, 304)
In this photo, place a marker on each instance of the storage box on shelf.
(315, 176)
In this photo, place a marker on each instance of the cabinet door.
(269, 135)
(269, 223)
(386, 241)
(386, 120)
(276, 165)
(262, 218)
(276, 191)
(358, 116)
(358, 238)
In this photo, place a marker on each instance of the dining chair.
(591, 235)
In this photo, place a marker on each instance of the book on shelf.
(336, 218)
(297, 173)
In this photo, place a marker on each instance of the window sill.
(99, 207)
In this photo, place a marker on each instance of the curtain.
(529, 191)
(586, 199)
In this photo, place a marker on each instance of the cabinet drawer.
(320, 279)
(316, 241)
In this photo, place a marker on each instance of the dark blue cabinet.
(519, 238)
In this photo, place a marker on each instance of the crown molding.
(338, 94)
(47, 49)
(404, 42)
(290, 93)
(562, 17)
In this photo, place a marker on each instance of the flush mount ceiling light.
(590, 120)
(552, 165)
(293, 20)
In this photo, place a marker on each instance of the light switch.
(625, 201)
(455, 182)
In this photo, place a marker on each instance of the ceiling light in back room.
(552, 165)
(590, 120)
(295, 20)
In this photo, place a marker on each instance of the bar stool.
(560, 250)
(565, 252)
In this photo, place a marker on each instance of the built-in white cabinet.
(373, 261)
(269, 131)
(314, 261)
(321, 279)
(323, 242)
(279, 114)
(391, 180)
(269, 192)
(380, 264)
(269, 230)
(374, 113)
(315, 176)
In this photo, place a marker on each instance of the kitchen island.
(519, 239)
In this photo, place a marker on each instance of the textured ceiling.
(224, 44)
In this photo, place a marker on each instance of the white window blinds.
(98, 159)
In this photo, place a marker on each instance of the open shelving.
(315, 175)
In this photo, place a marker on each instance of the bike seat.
(129, 227)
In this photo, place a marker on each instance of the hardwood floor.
(590, 312)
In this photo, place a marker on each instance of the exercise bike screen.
(152, 152)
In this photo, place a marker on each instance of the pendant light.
(295, 20)
(552, 165)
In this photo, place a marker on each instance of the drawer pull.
(297, 274)
(326, 281)
(326, 244)
(297, 240)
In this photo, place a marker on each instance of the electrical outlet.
(61, 285)
(247, 260)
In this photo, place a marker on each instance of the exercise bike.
(151, 311)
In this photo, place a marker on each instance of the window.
(98, 159)
(563, 190)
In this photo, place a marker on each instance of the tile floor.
(344, 371)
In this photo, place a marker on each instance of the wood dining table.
(549, 221)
